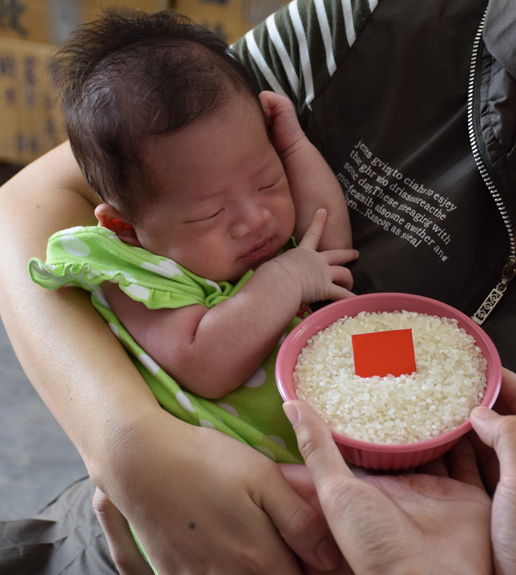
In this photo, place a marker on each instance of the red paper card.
(384, 352)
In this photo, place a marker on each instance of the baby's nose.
(251, 220)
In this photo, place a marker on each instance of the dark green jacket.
(413, 105)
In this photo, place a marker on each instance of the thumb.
(315, 442)
(122, 545)
(357, 513)
(498, 432)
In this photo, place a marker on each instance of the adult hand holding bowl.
(412, 523)
(379, 455)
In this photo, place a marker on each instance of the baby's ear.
(109, 217)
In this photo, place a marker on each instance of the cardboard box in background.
(31, 121)
(28, 125)
(53, 20)
(229, 19)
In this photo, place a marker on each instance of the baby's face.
(224, 204)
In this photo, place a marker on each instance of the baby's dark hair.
(130, 76)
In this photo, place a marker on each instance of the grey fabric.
(64, 539)
(496, 96)
(500, 33)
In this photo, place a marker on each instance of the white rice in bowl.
(450, 380)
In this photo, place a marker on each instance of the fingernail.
(484, 412)
(321, 211)
(328, 554)
(291, 413)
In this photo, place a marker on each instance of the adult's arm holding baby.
(97, 395)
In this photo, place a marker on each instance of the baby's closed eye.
(271, 185)
(204, 217)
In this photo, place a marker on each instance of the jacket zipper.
(509, 269)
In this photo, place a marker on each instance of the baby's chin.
(243, 265)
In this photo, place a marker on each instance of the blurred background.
(37, 461)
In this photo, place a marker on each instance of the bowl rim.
(449, 436)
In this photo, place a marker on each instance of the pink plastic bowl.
(378, 456)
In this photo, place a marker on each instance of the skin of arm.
(196, 344)
(92, 388)
(312, 183)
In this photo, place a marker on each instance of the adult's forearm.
(73, 360)
(160, 472)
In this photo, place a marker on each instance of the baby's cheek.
(289, 214)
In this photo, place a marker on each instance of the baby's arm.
(312, 183)
(213, 351)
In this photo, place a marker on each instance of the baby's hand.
(312, 183)
(281, 119)
(319, 275)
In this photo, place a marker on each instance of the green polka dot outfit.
(86, 257)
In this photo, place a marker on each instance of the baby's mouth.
(259, 251)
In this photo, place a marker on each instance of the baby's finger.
(272, 100)
(315, 230)
(266, 106)
(339, 257)
(337, 293)
(341, 276)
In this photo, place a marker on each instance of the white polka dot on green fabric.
(257, 379)
(266, 451)
(43, 270)
(171, 266)
(214, 284)
(93, 274)
(100, 296)
(277, 440)
(113, 328)
(184, 401)
(141, 292)
(74, 246)
(149, 363)
(228, 408)
(206, 423)
(165, 268)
